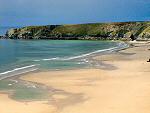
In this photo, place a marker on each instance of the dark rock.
(132, 37)
(148, 60)
(3, 37)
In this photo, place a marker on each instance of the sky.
(46, 12)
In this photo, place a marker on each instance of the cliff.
(121, 30)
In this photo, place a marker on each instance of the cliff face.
(122, 30)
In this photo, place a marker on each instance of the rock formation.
(95, 31)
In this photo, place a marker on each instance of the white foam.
(80, 63)
(75, 57)
(47, 59)
(21, 68)
(36, 60)
(50, 59)
(14, 81)
(119, 46)
(9, 84)
(4, 77)
(88, 54)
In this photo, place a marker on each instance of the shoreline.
(121, 89)
(34, 67)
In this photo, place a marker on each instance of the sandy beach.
(124, 88)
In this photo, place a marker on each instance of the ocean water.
(21, 56)
(23, 91)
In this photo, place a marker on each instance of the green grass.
(82, 30)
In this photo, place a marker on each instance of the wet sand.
(8, 105)
(122, 89)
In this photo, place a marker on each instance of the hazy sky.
(43, 12)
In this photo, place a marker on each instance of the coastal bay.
(122, 89)
(75, 56)
(24, 56)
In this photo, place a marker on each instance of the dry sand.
(123, 89)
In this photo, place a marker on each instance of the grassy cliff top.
(119, 29)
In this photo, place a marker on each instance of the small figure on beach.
(132, 37)
(148, 60)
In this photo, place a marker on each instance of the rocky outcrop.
(96, 31)
(3, 37)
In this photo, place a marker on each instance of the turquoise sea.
(17, 56)
(22, 56)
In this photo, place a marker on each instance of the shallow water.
(47, 54)
(23, 90)
(21, 56)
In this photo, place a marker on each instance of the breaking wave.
(119, 46)
(18, 71)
